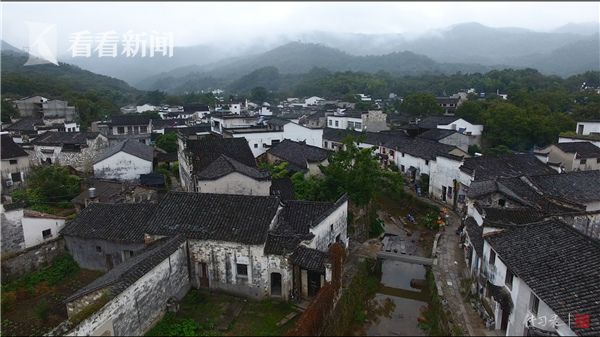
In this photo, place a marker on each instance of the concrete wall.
(343, 122)
(221, 259)
(473, 129)
(588, 127)
(85, 253)
(299, 133)
(31, 259)
(235, 183)
(34, 226)
(459, 140)
(327, 230)
(571, 140)
(122, 166)
(444, 173)
(134, 311)
(257, 140)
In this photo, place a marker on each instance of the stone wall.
(88, 256)
(31, 259)
(135, 310)
(13, 239)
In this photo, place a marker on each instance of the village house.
(221, 121)
(372, 121)
(41, 107)
(124, 161)
(529, 291)
(14, 166)
(572, 156)
(24, 228)
(113, 192)
(448, 104)
(25, 129)
(448, 137)
(220, 165)
(253, 246)
(299, 156)
(588, 131)
(120, 128)
(75, 149)
(473, 131)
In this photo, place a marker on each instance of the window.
(330, 122)
(256, 146)
(275, 141)
(598, 161)
(331, 227)
(16, 177)
(427, 162)
(492, 257)
(13, 162)
(449, 192)
(583, 161)
(143, 129)
(242, 270)
(402, 154)
(120, 130)
(508, 280)
(325, 144)
(534, 304)
(127, 254)
(358, 125)
(337, 123)
(98, 249)
(402, 168)
(501, 202)
(47, 234)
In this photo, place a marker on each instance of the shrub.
(42, 310)
(8, 299)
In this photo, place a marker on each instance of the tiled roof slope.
(130, 146)
(298, 153)
(9, 149)
(222, 217)
(283, 188)
(578, 187)
(208, 149)
(512, 215)
(128, 272)
(309, 259)
(504, 166)
(559, 264)
(60, 138)
(132, 119)
(433, 121)
(225, 165)
(114, 222)
(25, 124)
(436, 134)
(475, 233)
(584, 150)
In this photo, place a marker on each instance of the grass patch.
(62, 266)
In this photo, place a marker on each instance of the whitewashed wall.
(299, 133)
(235, 183)
(122, 166)
(33, 227)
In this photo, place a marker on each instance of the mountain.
(299, 58)
(585, 28)
(54, 81)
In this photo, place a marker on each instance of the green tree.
(259, 95)
(49, 186)
(421, 105)
(8, 111)
(277, 171)
(167, 142)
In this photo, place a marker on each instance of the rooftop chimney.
(92, 192)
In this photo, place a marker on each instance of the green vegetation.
(435, 321)
(89, 310)
(277, 170)
(42, 310)
(200, 313)
(8, 111)
(350, 313)
(420, 105)
(62, 266)
(50, 188)
(167, 142)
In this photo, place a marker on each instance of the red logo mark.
(582, 321)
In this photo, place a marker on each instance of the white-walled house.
(313, 100)
(124, 161)
(298, 133)
(344, 122)
(573, 156)
(588, 131)
(591, 127)
(24, 228)
(15, 164)
(76, 149)
(259, 140)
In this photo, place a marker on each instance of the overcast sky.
(197, 23)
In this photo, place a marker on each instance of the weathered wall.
(257, 140)
(82, 159)
(34, 226)
(7, 169)
(444, 171)
(31, 259)
(299, 133)
(122, 166)
(235, 183)
(12, 230)
(327, 230)
(85, 254)
(221, 259)
(375, 121)
(134, 311)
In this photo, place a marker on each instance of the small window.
(331, 227)
(325, 144)
(47, 234)
(402, 154)
(337, 123)
(143, 129)
(255, 146)
(598, 161)
(120, 130)
(275, 141)
(98, 249)
(492, 257)
(508, 280)
(13, 162)
(501, 202)
(16, 177)
(242, 270)
(401, 168)
(427, 162)
(330, 122)
(534, 304)
(583, 161)
(128, 254)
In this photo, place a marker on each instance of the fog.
(236, 23)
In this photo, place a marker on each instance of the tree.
(421, 105)
(8, 111)
(49, 186)
(259, 95)
(167, 142)
(277, 171)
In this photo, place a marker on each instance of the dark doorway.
(109, 262)
(504, 323)
(203, 275)
(314, 283)
(444, 193)
(275, 284)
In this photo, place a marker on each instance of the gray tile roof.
(222, 217)
(130, 146)
(584, 150)
(25, 124)
(54, 138)
(299, 154)
(113, 222)
(436, 134)
(225, 165)
(131, 119)
(504, 166)
(127, 273)
(433, 121)
(283, 188)
(309, 259)
(559, 264)
(106, 192)
(9, 149)
(578, 187)
(206, 150)
(519, 215)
